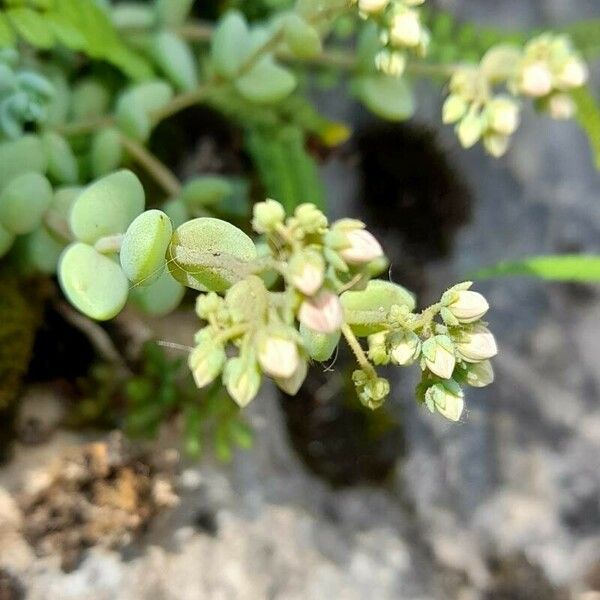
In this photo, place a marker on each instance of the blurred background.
(331, 501)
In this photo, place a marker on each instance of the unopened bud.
(322, 313)
(390, 62)
(290, 385)
(446, 398)
(362, 247)
(371, 7)
(561, 106)
(405, 347)
(371, 391)
(438, 354)
(377, 348)
(278, 356)
(503, 115)
(496, 144)
(310, 219)
(241, 377)
(267, 215)
(536, 79)
(477, 345)
(307, 271)
(479, 374)
(454, 109)
(468, 306)
(469, 130)
(574, 73)
(206, 362)
(406, 29)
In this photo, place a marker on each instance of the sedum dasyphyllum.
(323, 283)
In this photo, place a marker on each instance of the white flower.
(477, 345)
(362, 247)
(206, 362)
(480, 374)
(503, 115)
(405, 347)
(468, 306)
(405, 29)
(242, 379)
(322, 313)
(447, 398)
(278, 356)
(574, 73)
(372, 6)
(439, 356)
(561, 106)
(536, 79)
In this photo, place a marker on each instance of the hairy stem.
(358, 352)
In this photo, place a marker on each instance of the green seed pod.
(230, 44)
(107, 206)
(6, 240)
(175, 59)
(172, 12)
(24, 201)
(144, 247)
(366, 310)
(62, 164)
(207, 253)
(92, 282)
(206, 190)
(266, 83)
(320, 346)
(21, 156)
(159, 298)
(106, 152)
(89, 99)
(177, 211)
(302, 39)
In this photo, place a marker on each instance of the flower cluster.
(321, 275)
(400, 29)
(546, 70)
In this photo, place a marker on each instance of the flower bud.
(536, 79)
(574, 73)
(454, 109)
(278, 355)
(306, 272)
(468, 306)
(377, 348)
(290, 385)
(496, 144)
(371, 392)
(310, 219)
(319, 346)
(207, 304)
(391, 63)
(241, 377)
(479, 374)
(477, 345)
(267, 215)
(561, 106)
(470, 129)
(503, 115)
(405, 29)
(206, 361)
(447, 398)
(438, 354)
(372, 7)
(362, 247)
(322, 313)
(405, 347)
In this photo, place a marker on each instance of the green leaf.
(7, 35)
(588, 116)
(388, 97)
(266, 82)
(568, 267)
(31, 26)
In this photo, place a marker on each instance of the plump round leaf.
(93, 283)
(6, 240)
(63, 200)
(159, 298)
(24, 201)
(230, 44)
(106, 152)
(302, 39)
(177, 211)
(266, 82)
(206, 191)
(175, 60)
(107, 206)
(21, 156)
(144, 247)
(365, 310)
(38, 252)
(388, 97)
(172, 12)
(62, 164)
(320, 346)
(90, 98)
(207, 253)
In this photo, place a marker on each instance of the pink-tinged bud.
(278, 356)
(477, 345)
(307, 272)
(362, 248)
(468, 306)
(536, 79)
(323, 313)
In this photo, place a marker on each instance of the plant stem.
(358, 352)
(158, 170)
